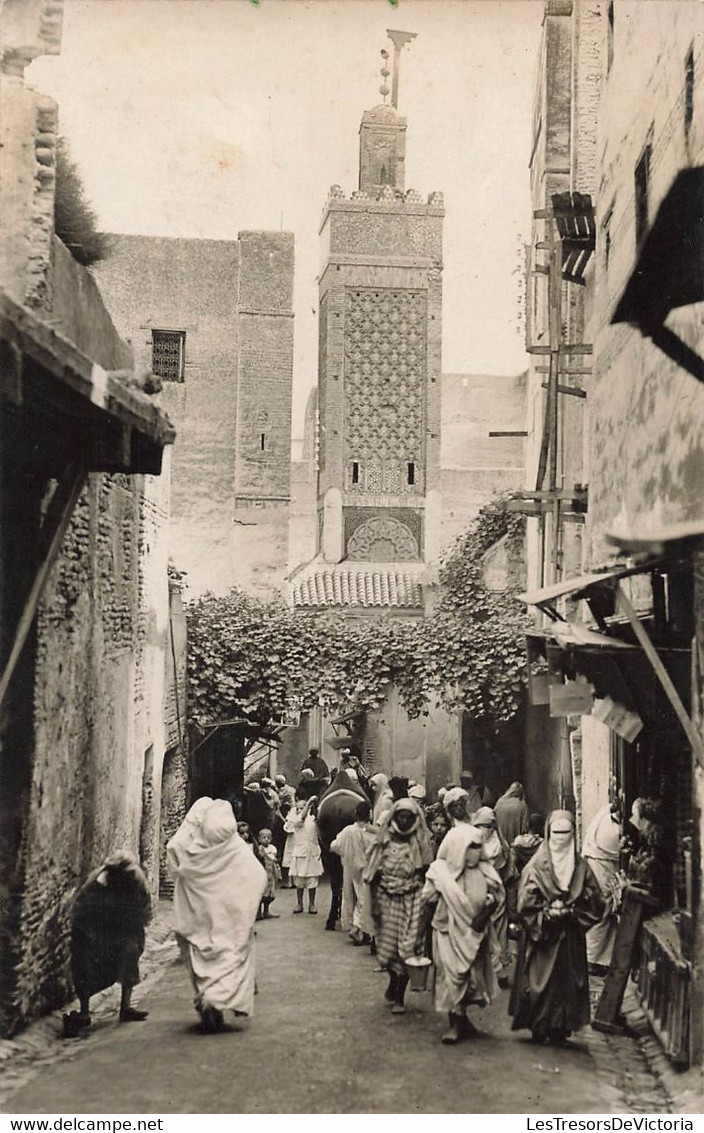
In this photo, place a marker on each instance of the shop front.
(632, 666)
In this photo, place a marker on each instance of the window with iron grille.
(168, 354)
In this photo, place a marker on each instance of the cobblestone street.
(322, 1040)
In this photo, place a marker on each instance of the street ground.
(322, 1040)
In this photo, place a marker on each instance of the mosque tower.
(380, 333)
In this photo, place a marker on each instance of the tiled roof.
(365, 585)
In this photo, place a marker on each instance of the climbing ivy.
(250, 660)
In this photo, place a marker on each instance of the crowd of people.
(447, 884)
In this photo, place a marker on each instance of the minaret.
(380, 353)
(382, 134)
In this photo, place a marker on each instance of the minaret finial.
(385, 72)
(399, 40)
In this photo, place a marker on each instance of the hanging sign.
(573, 698)
(623, 721)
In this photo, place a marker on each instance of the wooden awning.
(587, 586)
(78, 411)
(64, 416)
(673, 538)
(581, 586)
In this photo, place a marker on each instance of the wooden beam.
(574, 391)
(566, 371)
(553, 494)
(509, 433)
(54, 527)
(695, 740)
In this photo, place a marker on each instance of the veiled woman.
(497, 852)
(383, 796)
(600, 849)
(558, 901)
(395, 873)
(460, 893)
(218, 887)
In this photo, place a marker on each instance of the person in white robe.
(601, 851)
(219, 884)
(460, 894)
(353, 844)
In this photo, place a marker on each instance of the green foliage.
(75, 222)
(249, 660)
(480, 633)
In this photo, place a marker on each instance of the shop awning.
(588, 586)
(667, 539)
(581, 586)
(570, 634)
(84, 413)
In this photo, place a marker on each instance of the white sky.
(205, 117)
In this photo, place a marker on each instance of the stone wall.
(232, 300)
(263, 428)
(427, 748)
(474, 465)
(647, 413)
(85, 703)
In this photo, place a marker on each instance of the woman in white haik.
(219, 885)
(460, 894)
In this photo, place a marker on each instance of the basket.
(418, 968)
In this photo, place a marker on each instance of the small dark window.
(607, 248)
(262, 441)
(411, 472)
(610, 36)
(642, 186)
(355, 472)
(689, 90)
(168, 354)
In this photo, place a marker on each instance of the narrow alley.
(322, 1040)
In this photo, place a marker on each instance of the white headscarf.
(453, 795)
(383, 796)
(603, 836)
(219, 883)
(563, 856)
(493, 848)
(187, 831)
(453, 848)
